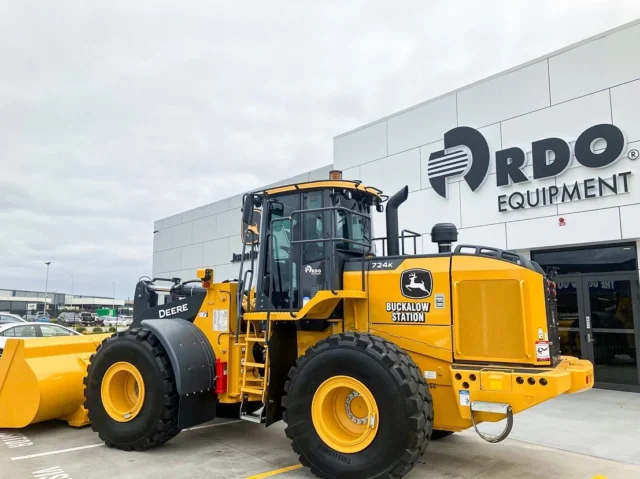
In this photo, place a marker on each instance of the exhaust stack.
(393, 241)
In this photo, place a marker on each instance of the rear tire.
(156, 422)
(401, 397)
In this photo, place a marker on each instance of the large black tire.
(402, 397)
(157, 421)
(439, 434)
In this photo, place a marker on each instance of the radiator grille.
(490, 323)
(552, 324)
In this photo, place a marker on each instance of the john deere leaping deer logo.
(416, 283)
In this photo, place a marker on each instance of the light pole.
(46, 287)
(73, 308)
(113, 303)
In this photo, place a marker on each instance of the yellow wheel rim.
(345, 414)
(122, 391)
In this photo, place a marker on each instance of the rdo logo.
(466, 154)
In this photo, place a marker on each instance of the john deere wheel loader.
(364, 357)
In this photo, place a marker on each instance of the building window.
(599, 259)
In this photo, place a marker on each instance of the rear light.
(587, 379)
(221, 377)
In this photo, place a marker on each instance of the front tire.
(131, 393)
(385, 422)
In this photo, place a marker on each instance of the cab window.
(353, 226)
(312, 228)
(283, 277)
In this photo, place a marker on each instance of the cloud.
(114, 114)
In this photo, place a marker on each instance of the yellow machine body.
(475, 337)
(373, 353)
(41, 379)
(480, 341)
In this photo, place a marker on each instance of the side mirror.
(247, 209)
(250, 233)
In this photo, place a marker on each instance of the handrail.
(239, 293)
(410, 235)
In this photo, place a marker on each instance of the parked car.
(42, 318)
(38, 316)
(91, 319)
(31, 330)
(114, 321)
(69, 319)
(7, 318)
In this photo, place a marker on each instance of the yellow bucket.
(41, 379)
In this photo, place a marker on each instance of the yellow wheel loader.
(366, 349)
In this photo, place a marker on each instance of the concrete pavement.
(578, 436)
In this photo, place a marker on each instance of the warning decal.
(542, 351)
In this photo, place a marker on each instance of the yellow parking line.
(276, 471)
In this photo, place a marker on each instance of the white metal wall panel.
(501, 97)
(421, 125)
(596, 65)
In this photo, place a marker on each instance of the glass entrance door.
(570, 316)
(610, 327)
(599, 320)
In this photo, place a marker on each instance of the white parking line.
(59, 451)
(62, 451)
(195, 428)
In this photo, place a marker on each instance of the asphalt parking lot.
(237, 449)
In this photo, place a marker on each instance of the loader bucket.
(41, 379)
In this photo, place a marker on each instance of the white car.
(8, 318)
(32, 330)
(112, 321)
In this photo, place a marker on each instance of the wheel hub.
(354, 408)
(122, 391)
(345, 414)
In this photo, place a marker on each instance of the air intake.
(444, 234)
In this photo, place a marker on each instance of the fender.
(193, 363)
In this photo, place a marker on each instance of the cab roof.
(324, 185)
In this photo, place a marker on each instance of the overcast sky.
(114, 114)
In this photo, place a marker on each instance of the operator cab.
(307, 232)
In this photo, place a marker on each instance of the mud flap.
(193, 363)
(283, 352)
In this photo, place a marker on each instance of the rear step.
(257, 417)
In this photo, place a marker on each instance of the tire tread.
(418, 402)
(166, 427)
